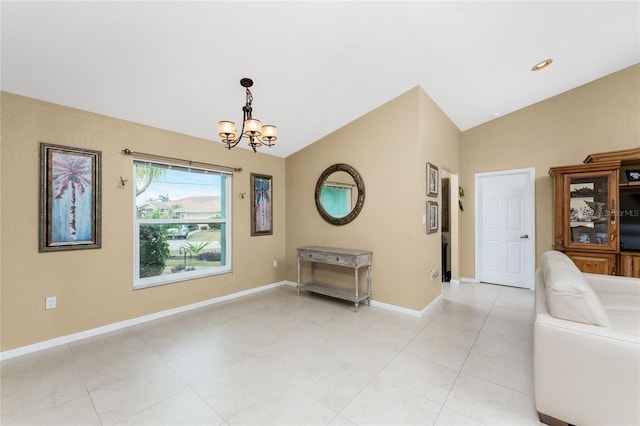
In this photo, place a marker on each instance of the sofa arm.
(584, 374)
(583, 378)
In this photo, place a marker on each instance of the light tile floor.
(273, 358)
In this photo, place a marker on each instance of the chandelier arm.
(246, 114)
(240, 136)
(232, 143)
(264, 142)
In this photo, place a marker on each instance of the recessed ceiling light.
(542, 65)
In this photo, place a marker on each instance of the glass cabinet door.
(591, 211)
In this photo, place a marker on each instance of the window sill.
(169, 277)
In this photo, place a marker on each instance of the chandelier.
(256, 134)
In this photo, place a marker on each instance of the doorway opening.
(446, 226)
(449, 225)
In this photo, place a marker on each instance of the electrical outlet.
(434, 273)
(50, 302)
(275, 263)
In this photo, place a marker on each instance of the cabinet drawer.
(594, 263)
(311, 255)
(337, 259)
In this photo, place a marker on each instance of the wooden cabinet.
(585, 207)
(587, 212)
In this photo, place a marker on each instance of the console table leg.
(298, 286)
(369, 285)
(356, 296)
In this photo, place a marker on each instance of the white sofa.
(586, 346)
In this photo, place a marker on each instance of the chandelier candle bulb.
(269, 133)
(252, 127)
(227, 129)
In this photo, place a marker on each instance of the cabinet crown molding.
(624, 156)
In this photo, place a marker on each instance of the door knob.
(524, 237)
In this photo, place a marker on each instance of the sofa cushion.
(568, 294)
(623, 311)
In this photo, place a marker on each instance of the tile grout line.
(84, 381)
(466, 358)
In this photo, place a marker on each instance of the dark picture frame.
(432, 217)
(583, 235)
(633, 176)
(261, 204)
(70, 198)
(433, 181)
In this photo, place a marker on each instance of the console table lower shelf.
(337, 292)
(354, 259)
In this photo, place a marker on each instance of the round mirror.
(339, 194)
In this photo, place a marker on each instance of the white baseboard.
(396, 308)
(469, 280)
(407, 311)
(130, 322)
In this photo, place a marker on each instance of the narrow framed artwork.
(432, 217)
(433, 180)
(261, 204)
(70, 198)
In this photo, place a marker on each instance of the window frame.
(225, 221)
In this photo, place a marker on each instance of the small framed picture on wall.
(433, 180)
(432, 217)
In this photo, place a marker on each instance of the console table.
(351, 258)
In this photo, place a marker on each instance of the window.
(182, 223)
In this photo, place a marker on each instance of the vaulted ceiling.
(316, 65)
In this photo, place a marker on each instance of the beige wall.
(94, 287)
(603, 115)
(393, 167)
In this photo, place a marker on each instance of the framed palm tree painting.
(70, 198)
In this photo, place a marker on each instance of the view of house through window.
(182, 223)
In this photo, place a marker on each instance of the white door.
(505, 227)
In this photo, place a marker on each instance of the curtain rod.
(127, 151)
